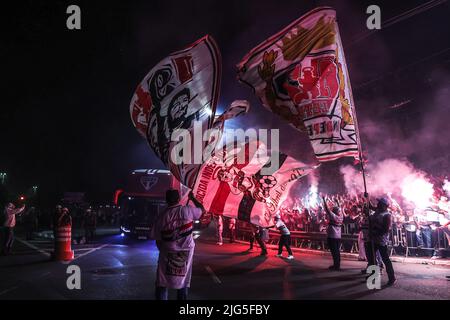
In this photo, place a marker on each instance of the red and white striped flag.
(240, 190)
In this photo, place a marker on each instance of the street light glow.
(3, 176)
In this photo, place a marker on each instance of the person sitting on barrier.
(285, 238)
(441, 231)
(423, 233)
(334, 229)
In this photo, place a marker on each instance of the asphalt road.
(119, 268)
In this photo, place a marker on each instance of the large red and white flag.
(181, 89)
(232, 182)
(301, 75)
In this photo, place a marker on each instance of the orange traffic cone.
(63, 244)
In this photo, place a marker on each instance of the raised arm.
(325, 205)
(19, 210)
(196, 202)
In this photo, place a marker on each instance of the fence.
(401, 241)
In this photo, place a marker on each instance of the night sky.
(64, 119)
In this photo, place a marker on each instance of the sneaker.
(279, 255)
(290, 257)
(219, 243)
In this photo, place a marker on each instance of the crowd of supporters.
(33, 219)
(425, 229)
(307, 215)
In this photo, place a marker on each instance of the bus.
(143, 199)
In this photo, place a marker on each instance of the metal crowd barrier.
(401, 241)
(302, 239)
(404, 239)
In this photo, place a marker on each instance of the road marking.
(8, 290)
(82, 249)
(86, 253)
(213, 275)
(45, 253)
(39, 241)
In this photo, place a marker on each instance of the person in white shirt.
(218, 220)
(285, 238)
(335, 219)
(173, 234)
(10, 222)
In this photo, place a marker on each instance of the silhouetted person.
(334, 229)
(90, 225)
(379, 236)
(259, 234)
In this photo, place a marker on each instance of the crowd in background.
(34, 219)
(310, 215)
(420, 224)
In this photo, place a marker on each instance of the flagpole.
(358, 140)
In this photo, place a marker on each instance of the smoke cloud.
(391, 176)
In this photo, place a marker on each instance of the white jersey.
(173, 231)
(334, 228)
(280, 225)
(10, 216)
